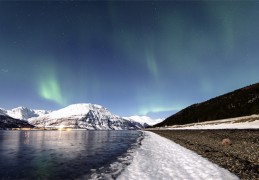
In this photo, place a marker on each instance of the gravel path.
(240, 158)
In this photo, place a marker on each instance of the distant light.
(60, 127)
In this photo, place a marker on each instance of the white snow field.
(160, 158)
(244, 122)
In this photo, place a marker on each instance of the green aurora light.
(49, 87)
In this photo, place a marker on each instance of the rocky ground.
(240, 157)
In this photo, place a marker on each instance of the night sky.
(135, 58)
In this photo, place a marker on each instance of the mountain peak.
(81, 115)
(85, 116)
(21, 107)
(75, 110)
(84, 106)
(21, 113)
(144, 119)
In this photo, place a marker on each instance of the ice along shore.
(161, 158)
(240, 158)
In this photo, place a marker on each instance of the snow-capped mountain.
(85, 116)
(24, 113)
(144, 120)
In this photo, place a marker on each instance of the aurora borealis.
(135, 58)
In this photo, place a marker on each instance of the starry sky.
(135, 58)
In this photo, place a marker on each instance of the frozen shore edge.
(240, 158)
(161, 158)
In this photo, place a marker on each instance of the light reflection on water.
(60, 154)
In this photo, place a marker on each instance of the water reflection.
(59, 154)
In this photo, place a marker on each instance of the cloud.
(4, 70)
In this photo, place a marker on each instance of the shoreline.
(161, 158)
(240, 158)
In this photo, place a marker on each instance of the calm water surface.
(62, 154)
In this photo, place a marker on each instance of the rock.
(226, 142)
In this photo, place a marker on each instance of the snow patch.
(160, 158)
(253, 99)
(244, 122)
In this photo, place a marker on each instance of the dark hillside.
(241, 102)
(8, 122)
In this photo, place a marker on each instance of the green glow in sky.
(156, 108)
(148, 104)
(144, 56)
(49, 88)
(151, 63)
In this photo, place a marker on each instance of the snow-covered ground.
(245, 122)
(160, 158)
(246, 125)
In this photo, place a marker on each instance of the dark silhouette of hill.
(241, 102)
(8, 122)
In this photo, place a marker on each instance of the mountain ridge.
(7, 122)
(24, 113)
(83, 115)
(240, 102)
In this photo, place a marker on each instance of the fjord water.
(62, 154)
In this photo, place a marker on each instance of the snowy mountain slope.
(24, 113)
(144, 120)
(76, 110)
(85, 116)
(244, 122)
